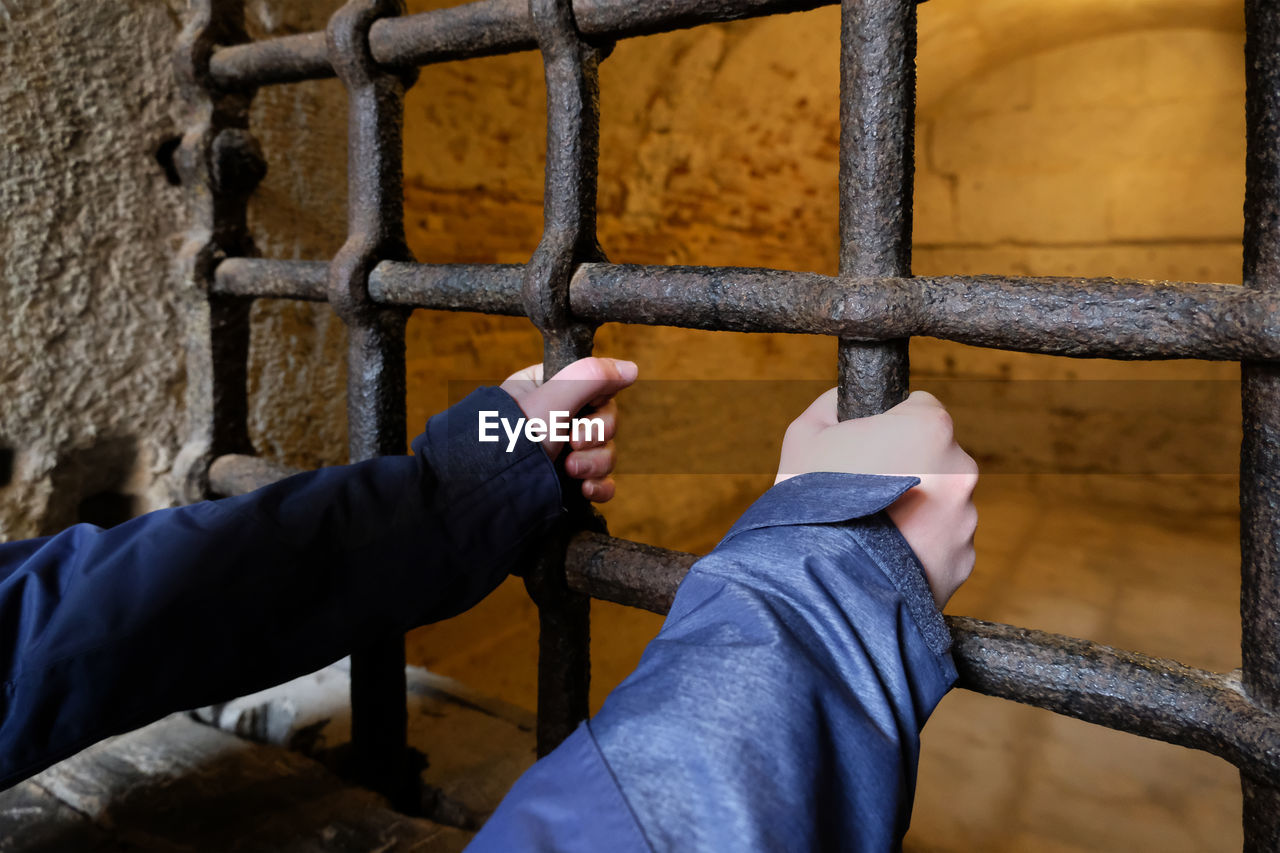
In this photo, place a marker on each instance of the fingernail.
(572, 466)
(629, 370)
(588, 489)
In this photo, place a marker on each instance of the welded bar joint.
(877, 123)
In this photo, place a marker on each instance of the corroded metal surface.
(238, 474)
(626, 572)
(482, 28)
(877, 128)
(1159, 699)
(220, 164)
(1260, 391)
(488, 288)
(1080, 317)
(375, 359)
(266, 279)
(568, 238)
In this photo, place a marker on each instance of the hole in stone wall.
(164, 155)
(6, 466)
(95, 484)
(106, 509)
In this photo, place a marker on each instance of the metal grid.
(874, 305)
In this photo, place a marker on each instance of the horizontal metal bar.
(260, 278)
(1123, 690)
(625, 572)
(482, 28)
(236, 474)
(488, 289)
(1096, 318)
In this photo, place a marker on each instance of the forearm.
(106, 630)
(781, 704)
(781, 707)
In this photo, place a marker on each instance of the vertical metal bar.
(375, 360)
(219, 164)
(568, 238)
(877, 129)
(1260, 396)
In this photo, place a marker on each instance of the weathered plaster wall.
(89, 387)
(91, 368)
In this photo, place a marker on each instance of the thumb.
(586, 381)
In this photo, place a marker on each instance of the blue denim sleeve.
(780, 706)
(105, 630)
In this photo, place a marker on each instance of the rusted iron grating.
(568, 288)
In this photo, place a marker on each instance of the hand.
(587, 383)
(915, 437)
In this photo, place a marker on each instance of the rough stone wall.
(90, 390)
(91, 368)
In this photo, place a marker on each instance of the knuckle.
(594, 369)
(941, 422)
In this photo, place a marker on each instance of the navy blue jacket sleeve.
(104, 630)
(780, 706)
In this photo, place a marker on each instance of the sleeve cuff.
(488, 495)
(835, 498)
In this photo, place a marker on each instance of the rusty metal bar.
(490, 289)
(624, 572)
(483, 28)
(877, 125)
(1082, 317)
(262, 278)
(1100, 317)
(568, 239)
(1123, 690)
(375, 361)
(238, 474)
(1260, 397)
(220, 163)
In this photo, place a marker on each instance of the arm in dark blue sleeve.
(781, 704)
(104, 630)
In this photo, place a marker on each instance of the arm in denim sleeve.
(780, 706)
(104, 630)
